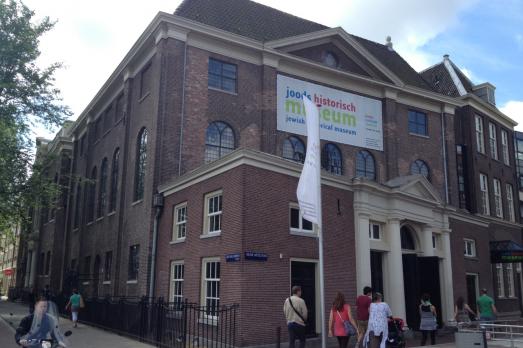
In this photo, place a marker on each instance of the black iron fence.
(164, 324)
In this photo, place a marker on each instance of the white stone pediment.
(415, 186)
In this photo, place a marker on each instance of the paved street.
(83, 337)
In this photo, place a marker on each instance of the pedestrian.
(362, 312)
(74, 304)
(428, 322)
(47, 292)
(378, 328)
(486, 308)
(295, 311)
(462, 311)
(339, 315)
(32, 300)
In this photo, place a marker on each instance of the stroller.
(396, 339)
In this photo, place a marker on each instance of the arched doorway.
(420, 275)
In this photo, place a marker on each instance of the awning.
(505, 251)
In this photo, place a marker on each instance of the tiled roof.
(439, 78)
(246, 18)
(264, 23)
(394, 62)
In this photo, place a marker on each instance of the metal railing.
(152, 320)
(505, 331)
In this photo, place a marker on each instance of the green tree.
(28, 98)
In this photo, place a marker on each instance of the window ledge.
(210, 235)
(471, 258)
(85, 283)
(142, 98)
(89, 223)
(106, 282)
(76, 229)
(132, 282)
(177, 241)
(208, 321)
(303, 233)
(112, 213)
(419, 135)
(99, 219)
(137, 202)
(222, 90)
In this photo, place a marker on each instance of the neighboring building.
(519, 169)
(197, 137)
(9, 241)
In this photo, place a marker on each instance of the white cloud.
(514, 109)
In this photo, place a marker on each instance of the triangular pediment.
(352, 56)
(415, 186)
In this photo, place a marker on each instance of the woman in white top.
(378, 329)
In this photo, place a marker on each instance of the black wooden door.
(376, 271)
(429, 282)
(472, 291)
(304, 275)
(411, 285)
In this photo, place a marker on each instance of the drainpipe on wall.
(444, 157)
(158, 205)
(183, 110)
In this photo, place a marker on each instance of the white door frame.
(317, 308)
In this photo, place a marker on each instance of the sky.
(484, 38)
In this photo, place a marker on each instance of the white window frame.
(176, 279)
(504, 147)
(435, 241)
(204, 281)
(371, 231)
(470, 247)
(300, 230)
(179, 225)
(500, 282)
(509, 271)
(510, 203)
(498, 203)
(208, 216)
(493, 140)
(485, 204)
(480, 140)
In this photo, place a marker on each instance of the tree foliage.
(28, 98)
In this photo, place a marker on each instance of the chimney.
(445, 57)
(389, 43)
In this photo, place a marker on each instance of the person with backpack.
(341, 323)
(295, 311)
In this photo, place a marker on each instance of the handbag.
(82, 303)
(350, 330)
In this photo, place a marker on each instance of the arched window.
(330, 59)
(102, 189)
(219, 141)
(407, 239)
(365, 166)
(77, 205)
(91, 199)
(141, 162)
(294, 149)
(54, 199)
(420, 167)
(114, 180)
(331, 159)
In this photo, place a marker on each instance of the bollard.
(278, 337)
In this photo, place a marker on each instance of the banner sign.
(232, 258)
(255, 256)
(344, 117)
(505, 251)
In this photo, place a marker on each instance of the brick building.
(184, 169)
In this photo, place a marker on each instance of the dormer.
(485, 91)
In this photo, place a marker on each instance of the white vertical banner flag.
(309, 186)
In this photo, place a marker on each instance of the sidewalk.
(83, 337)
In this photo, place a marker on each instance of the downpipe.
(158, 205)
